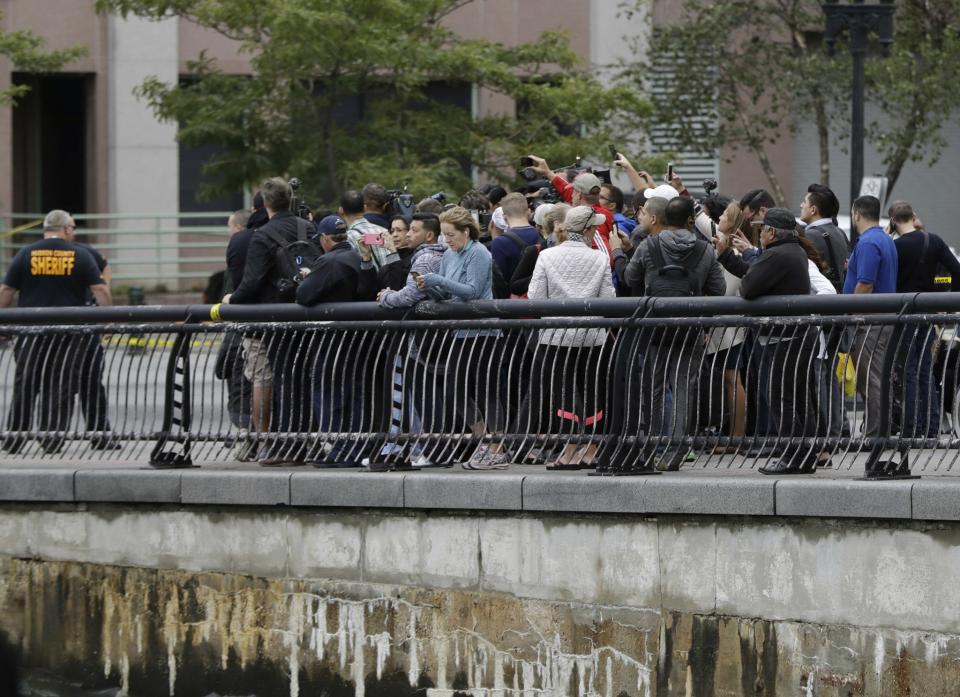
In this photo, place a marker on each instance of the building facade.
(83, 141)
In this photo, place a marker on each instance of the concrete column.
(143, 163)
(612, 37)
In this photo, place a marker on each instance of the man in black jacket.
(334, 277)
(818, 211)
(340, 359)
(260, 285)
(787, 353)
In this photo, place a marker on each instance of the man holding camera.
(584, 191)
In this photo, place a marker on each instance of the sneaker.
(422, 462)
(244, 451)
(484, 458)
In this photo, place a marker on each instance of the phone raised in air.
(527, 162)
(668, 177)
(372, 239)
(613, 152)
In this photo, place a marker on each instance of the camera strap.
(516, 239)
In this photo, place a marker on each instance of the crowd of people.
(594, 243)
(485, 396)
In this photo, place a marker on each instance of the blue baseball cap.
(332, 225)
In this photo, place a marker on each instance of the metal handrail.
(770, 306)
(157, 363)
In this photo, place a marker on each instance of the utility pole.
(859, 20)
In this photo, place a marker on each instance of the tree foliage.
(739, 72)
(914, 86)
(28, 53)
(757, 68)
(313, 61)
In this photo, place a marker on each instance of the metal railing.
(625, 386)
(142, 248)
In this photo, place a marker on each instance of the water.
(41, 683)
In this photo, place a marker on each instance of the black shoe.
(52, 446)
(783, 466)
(12, 445)
(671, 461)
(110, 442)
(386, 463)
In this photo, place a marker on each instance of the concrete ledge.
(39, 484)
(579, 493)
(936, 499)
(336, 488)
(693, 492)
(259, 488)
(128, 486)
(708, 494)
(486, 491)
(844, 498)
(669, 493)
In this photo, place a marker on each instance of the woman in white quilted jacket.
(571, 372)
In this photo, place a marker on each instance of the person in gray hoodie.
(414, 372)
(673, 263)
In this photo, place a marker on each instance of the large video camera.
(297, 205)
(400, 202)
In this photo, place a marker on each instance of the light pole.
(859, 20)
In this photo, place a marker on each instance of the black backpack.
(501, 284)
(294, 260)
(674, 280)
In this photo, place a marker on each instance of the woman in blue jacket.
(466, 273)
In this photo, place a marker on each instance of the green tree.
(28, 53)
(309, 58)
(914, 85)
(730, 82)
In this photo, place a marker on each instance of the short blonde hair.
(554, 218)
(462, 219)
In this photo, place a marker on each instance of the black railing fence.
(625, 386)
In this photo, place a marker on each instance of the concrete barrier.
(501, 584)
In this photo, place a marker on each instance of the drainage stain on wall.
(164, 633)
(176, 633)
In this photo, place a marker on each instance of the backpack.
(501, 284)
(674, 280)
(501, 287)
(834, 275)
(294, 260)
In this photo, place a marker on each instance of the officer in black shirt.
(93, 394)
(50, 273)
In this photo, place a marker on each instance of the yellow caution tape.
(21, 228)
(215, 313)
(157, 343)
